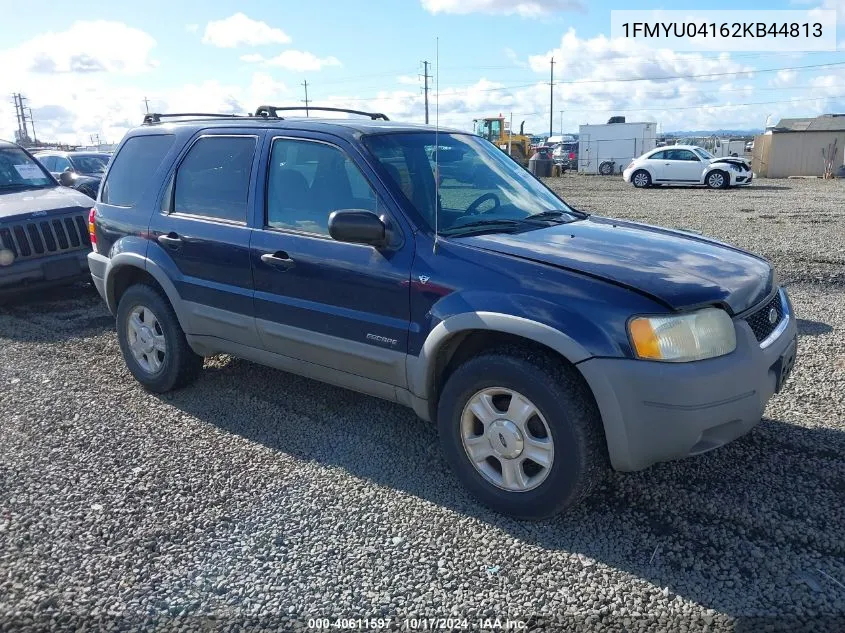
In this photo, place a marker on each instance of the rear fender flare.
(137, 260)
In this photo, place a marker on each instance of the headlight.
(695, 336)
(735, 167)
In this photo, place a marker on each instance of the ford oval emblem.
(773, 316)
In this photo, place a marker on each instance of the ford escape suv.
(426, 267)
(43, 226)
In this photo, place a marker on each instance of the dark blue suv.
(426, 267)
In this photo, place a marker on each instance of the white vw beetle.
(687, 165)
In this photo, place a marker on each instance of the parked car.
(687, 165)
(84, 169)
(43, 225)
(543, 341)
(567, 154)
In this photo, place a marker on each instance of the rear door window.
(49, 162)
(133, 167)
(213, 179)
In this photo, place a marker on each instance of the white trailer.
(608, 148)
(727, 147)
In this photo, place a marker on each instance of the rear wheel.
(641, 179)
(152, 341)
(606, 168)
(717, 179)
(522, 433)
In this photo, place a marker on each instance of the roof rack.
(156, 117)
(272, 111)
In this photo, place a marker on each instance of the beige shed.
(799, 147)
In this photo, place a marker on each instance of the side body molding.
(421, 368)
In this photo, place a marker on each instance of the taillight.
(571, 155)
(92, 215)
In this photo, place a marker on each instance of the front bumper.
(654, 411)
(30, 274)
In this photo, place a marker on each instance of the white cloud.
(835, 5)
(86, 47)
(525, 8)
(783, 78)
(297, 61)
(239, 30)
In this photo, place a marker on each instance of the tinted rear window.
(133, 168)
(213, 180)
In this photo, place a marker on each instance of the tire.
(157, 370)
(717, 179)
(606, 168)
(566, 413)
(641, 179)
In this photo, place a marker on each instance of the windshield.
(478, 182)
(703, 153)
(19, 171)
(89, 163)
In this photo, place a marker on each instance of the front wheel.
(522, 433)
(152, 341)
(641, 179)
(717, 180)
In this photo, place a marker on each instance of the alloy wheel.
(146, 339)
(507, 439)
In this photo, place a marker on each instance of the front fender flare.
(421, 368)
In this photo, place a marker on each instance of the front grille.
(37, 238)
(759, 320)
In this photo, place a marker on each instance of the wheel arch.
(128, 268)
(461, 336)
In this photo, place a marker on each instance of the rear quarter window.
(131, 174)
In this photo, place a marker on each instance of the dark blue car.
(426, 267)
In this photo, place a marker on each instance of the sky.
(87, 68)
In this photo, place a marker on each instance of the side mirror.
(66, 178)
(358, 226)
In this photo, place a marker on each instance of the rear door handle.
(279, 259)
(171, 240)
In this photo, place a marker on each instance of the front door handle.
(171, 240)
(279, 259)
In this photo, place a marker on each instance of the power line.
(698, 107)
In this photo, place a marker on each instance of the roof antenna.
(436, 145)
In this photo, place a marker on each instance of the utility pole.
(552, 98)
(305, 84)
(147, 104)
(426, 77)
(20, 115)
(32, 123)
(561, 122)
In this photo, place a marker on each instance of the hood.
(22, 204)
(731, 159)
(678, 269)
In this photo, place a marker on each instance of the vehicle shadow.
(54, 314)
(813, 328)
(751, 528)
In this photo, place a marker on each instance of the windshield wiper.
(482, 225)
(554, 214)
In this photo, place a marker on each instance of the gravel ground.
(257, 498)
